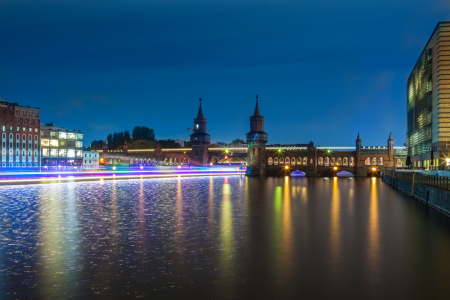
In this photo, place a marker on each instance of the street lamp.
(335, 168)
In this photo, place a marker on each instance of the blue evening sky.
(323, 70)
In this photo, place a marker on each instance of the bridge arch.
(380, 161)
(275, 161)
(270, 162)
(293, 161)
(287, 160)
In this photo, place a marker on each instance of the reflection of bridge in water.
(262, 159)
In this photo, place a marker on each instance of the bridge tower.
(257, 139)
(200, 140)
(391, 147)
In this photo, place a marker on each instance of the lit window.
(62, 152)
(78, 144)
(70, 153)
(79, 136)
(54, 152)
(44, 151)
(24, 129)
(197, 126)
(71, 136)
(63, 135)
(54, 143)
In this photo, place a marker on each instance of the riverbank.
(436, 198)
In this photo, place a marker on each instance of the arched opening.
(380, 161)
(281, 160)
(351, 162)
(345, 161)
(275, 161)
(367, 161)
(320, 161)
(304, 161)
(270, 162)
(374, 161)
(339, 161)
(327, 162)
(333, 162)
(287, 160)
(165, 160)
(293, 161)
(299, 161)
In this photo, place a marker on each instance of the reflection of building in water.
(61, 148)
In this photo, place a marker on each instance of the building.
(428, 102)
(61, 148)
(91, 160)
(200, 139)
(20, 135)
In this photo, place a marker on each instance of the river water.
(221, 238)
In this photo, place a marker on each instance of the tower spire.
(257, 113)
(200, 111)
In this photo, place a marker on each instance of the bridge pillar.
(256, 160)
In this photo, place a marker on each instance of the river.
(221, 238)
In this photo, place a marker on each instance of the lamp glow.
(335, 168)
(374, 169)
(286, 167)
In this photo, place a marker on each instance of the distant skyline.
(323, 70)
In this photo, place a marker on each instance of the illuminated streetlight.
(335, 168)
(374, 169)
(286, 167)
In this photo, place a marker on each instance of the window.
(70, 153)
(345, 161)
(275, 161)
(281, 160)
(30, 138)
(79, 144)
(24, 129)
(287, 160)
(45, 152)
(54, 143)
(30, 130)
(270, 161)
(320, 161)
(79, 136)
(45, 142)
(327, 161)
(62, 143)
(304, 161)
(351, 161)
(54, 152)
(367, 161)
(71, 136)
(62, 153)
(339, 161)
(35, 130)
(63, 135)
(254, 151)
(4, 127)
(17, 129)
(374, 160)
(53, 134)
(36, 115)
(380, 161)
(332, 161)
(293, 161)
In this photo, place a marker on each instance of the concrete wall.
(434, 197)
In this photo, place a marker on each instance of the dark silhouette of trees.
(143, 133)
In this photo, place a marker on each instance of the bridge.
(262, 159)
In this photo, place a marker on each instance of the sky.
(323, 70)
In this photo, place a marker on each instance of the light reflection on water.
(220, 237)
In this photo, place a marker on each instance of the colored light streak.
(119, 176)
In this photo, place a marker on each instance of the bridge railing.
(440, 182)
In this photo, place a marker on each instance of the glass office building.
(428, 102)
(61, 148)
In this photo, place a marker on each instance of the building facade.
(61, 147)
(91, 160)
(20, 135)
(428, 102)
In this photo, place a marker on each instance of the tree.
(143, 133)
(169, 144)
(97, 145)
(127, 135)
(109, 140)
(236, 141)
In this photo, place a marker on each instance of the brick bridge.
(262, 159)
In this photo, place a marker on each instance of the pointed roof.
(257, 113)
(390, 136)
(200, 112)
(358, 138)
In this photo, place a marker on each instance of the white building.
(90, 160)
